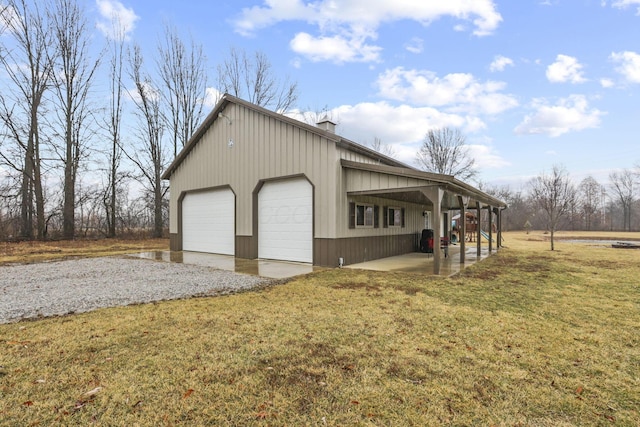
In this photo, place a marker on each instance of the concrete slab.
(416, 262)
(421, 263)
(256, 267)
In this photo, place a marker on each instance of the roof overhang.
(424, 180)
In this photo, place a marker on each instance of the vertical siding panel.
(280, 152)
(270, 143)
(291, 160)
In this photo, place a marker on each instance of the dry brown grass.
(526, 337)
(35, 251)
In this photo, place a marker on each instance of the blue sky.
(530, 83)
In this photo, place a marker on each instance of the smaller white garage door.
(285, 221)
(208, 222)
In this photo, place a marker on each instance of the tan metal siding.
(413, 219)
(356, 157)
(264, 148)
(356, 180)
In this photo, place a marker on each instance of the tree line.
(86, 133)
(550, 201)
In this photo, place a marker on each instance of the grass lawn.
(526, 337)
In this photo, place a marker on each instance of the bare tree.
(383, 147)
(73, 76)
(444, 151)
(183, 74)
(554, 194)
(28, 68)
(150, 158)
(590, 192)
(253, 79)
(113, 126)
(623, 185)
(313, 116)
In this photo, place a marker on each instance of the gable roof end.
(227, 99)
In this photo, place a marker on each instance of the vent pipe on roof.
(326, 124)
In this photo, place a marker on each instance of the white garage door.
(285, 221)
(208, 222)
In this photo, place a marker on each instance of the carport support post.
(462, 226)
(479, 229)
(490, 210)
(434, 194)
(498, 212)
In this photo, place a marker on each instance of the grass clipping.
(526, 337)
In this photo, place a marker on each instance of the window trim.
(390, 217)
(365, 206)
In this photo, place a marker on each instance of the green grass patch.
(526, 337)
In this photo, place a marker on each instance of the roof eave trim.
(449, 181)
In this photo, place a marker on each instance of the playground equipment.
(471, 227)
(486, 235)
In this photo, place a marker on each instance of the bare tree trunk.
(157, 206)
(73, 79)
(37, 188)
(150, 157)
(622, 184)
(26, 195)
(30, 35)
(113, 126)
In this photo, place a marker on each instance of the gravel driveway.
(74, 286)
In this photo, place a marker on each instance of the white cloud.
(117, 21)
(568, 115)
(336, 49)
(629, 65)
(403, 128)
(500, 63)
(486, 158)
(565, 69)
(353, 22)
(416, 45)
(606, 83)
(623, 4)
(212, 96)
(458, 92)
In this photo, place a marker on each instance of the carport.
(438, 194)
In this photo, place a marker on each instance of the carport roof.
(447, 182)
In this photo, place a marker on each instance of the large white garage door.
(285, 221)
(208, 222)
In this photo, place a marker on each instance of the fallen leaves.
(264, 411)
(187, 393)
